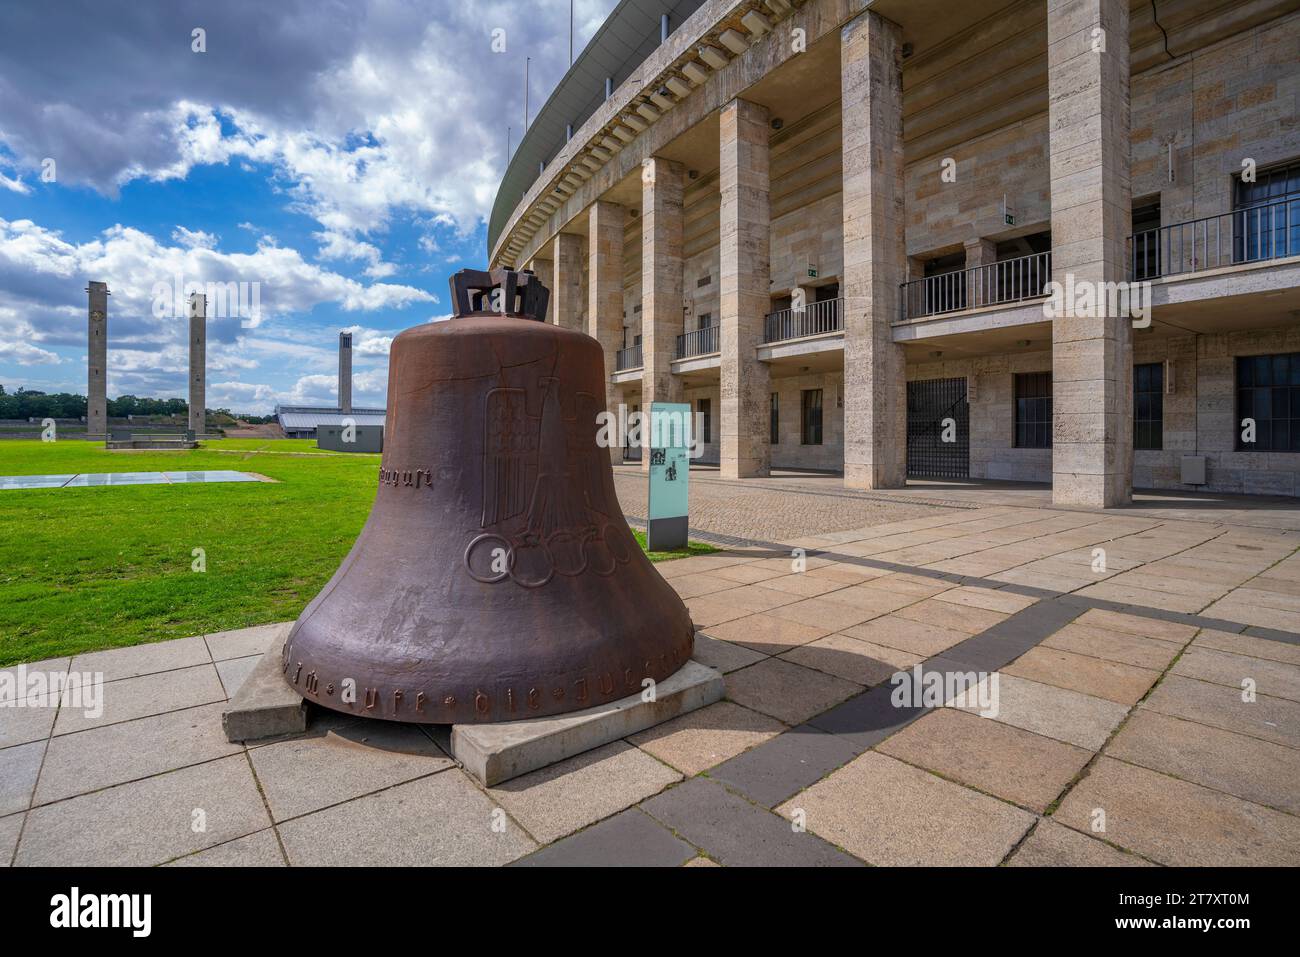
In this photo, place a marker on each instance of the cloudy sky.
(343, 155)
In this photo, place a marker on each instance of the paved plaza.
(1146, 664)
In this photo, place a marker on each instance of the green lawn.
(89, 568)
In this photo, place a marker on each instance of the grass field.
(89, 568)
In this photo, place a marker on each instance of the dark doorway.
(938, 429)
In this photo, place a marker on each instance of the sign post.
(669, 444)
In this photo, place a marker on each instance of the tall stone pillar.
(661, 284)
(1092, 353)
(566, 282)
(198, 362)
(605, 294)
(979, 285)
(97, 361)
(745, 256)
(345, 372)
(875, 261)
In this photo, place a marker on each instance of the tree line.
(33, 404)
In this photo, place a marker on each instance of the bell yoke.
(496, 578)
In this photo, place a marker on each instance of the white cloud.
(26, 354)
(14, 185)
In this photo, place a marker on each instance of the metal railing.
(1009, 280)
(629, 358)
(1253, 234)
(701, 342)
(814, 319)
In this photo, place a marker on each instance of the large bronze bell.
(496, 577)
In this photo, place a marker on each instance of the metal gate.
(938, 429)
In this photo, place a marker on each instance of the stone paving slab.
(788, 763)
(823, 613)
(30, 721)
(49, 666)
(243, 642)
(130, 698)
(854, 660)
(1018, 766)
(140, 660)
(1054, 845)
(1236, 764)
(786, 691)
(436, 821)
(630, 838)
(722, 655)
(891, 814)
(1125, 684)
(1113, 646)
(341, 759)
(768, 634)
(1068, 716)
(1275, 678)
(1248, 645)
(697, 741)
(101, 757)
(946, 614)
(261, 849)
(10, 828)
(736, 833)
(1219, 706)
(1180, 824)
(19, 767)
(914, 637)
(146, 822)
(1145, 626)
(233, 672)
(581, 790)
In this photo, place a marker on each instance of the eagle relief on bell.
(496, 578)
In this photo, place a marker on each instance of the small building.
(301, 422)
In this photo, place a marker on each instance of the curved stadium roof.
(629, 34)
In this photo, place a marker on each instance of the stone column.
(875, 261)
(605, 295)
(661, 284)
(198, 362)
(979, 287)
(1092, 353)
(566, 282)
(97, 361)
(345, 373)
(745, 254)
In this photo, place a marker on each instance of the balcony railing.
(1254, 234)
(629, 358)
(813, 319)
(1010, 280)
(701, 342)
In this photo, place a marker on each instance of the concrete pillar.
(97, 361)
(566, 282)
(661, 283)
(605, 223)
(1092, 354)
(745, 253)
(345, 372)
(875, 261)
(198, 362)
(979, 286)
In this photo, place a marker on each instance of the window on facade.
(812, 416)
(1034, 410)
(1267, 220)
(705, 320)
(1268, 394)
(1149, 405)
(706, 421)
(774, 419)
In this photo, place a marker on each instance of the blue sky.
(339, 157)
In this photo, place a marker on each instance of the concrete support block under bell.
(493, 753)
(265, 706)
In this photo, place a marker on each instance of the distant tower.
(97, 362)
(198, 362)
(345, 372)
